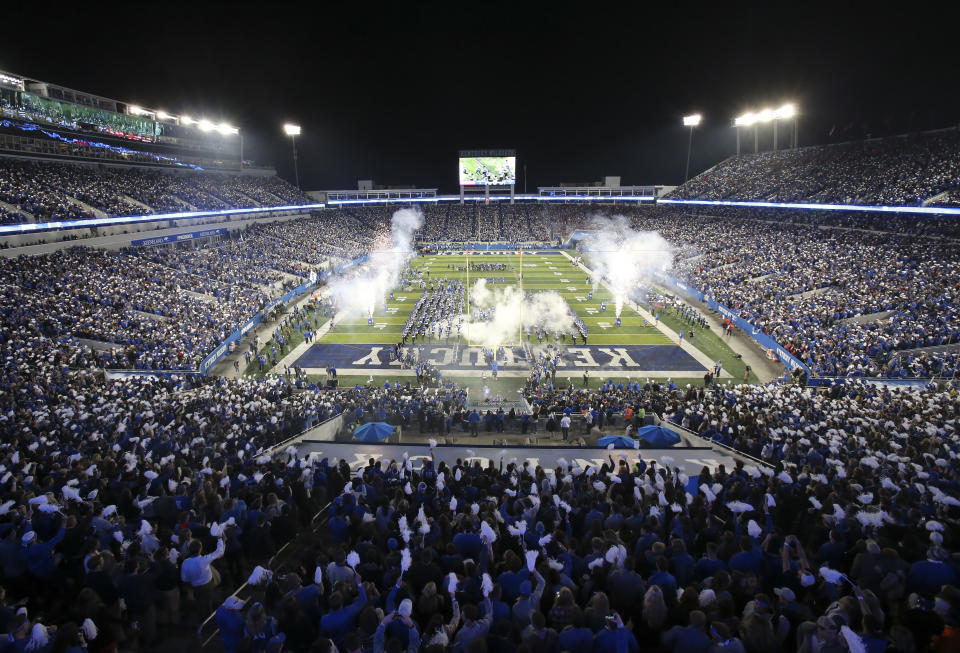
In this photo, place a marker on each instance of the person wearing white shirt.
(565, 426)
(197, 569)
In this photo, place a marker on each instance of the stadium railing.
(208, 631)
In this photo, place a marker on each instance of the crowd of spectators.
(844, 543)
(890, 171)
(847, 295)
(845, 302)
(50, 191)
(131, 505)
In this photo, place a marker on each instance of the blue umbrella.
(658, 436)
(618, 441)
(373, 432)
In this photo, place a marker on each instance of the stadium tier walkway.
(674, 337)
(264, 329)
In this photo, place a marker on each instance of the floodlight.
(225, 129)
(186, 120)
(745, 120)
(765, 116)
(135, 110)
(291, 130)
(786, 111)
(163, 115)
(206, 125)
(691, 121)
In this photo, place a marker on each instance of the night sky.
(391, 92)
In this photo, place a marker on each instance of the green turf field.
(539, 272)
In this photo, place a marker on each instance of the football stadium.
(246, 407)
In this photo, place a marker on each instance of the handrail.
(714, 443)
(270, 565)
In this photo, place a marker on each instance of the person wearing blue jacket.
(615, 638)
(229, 619)
(341, 619)
(39, 555)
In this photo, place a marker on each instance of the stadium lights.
(748, 119)
(785, 112)
(135, 110)
(163, 115)
(186, 120)
(225, 129)
(293, 131)
(206, 125)
(691, 122)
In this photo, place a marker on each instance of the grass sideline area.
(710, 343)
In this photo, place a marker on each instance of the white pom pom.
(486, 585)
(854, 643)
(831, 575)
(407, 488)
(487, 534)
(599, 486)
(405, 559)
(475, 508)
(546, 539)
(433, 443)
(260, 576)
(870, 518)
(816, 504)
(457, 475)
(89, 629)
(318, 575)
(453, 504)
(532, 559)
(517, 529)
(556, 565)
(753, 528)
(451, 583)
(612, 555)
(739, 506)
(610, 447)
(934, 526)
(771, 502)
(353, 559)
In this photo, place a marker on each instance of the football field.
(635, 346)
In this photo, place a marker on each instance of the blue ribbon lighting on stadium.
(494, 198)
(928, 210)
(6, 230)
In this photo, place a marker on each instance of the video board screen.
(488, 171)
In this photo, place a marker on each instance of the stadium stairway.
(97, 213)
(146, 208)
(27, 217)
